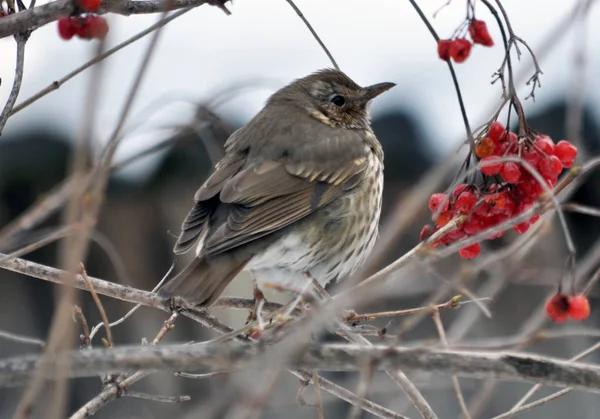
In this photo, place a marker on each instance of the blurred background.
(211, 73)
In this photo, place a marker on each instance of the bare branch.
(332, 357)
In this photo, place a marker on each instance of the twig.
(581, 209)
(534, 404)
(362, 390)
(314, 34)
(21, 339)
(99, 305)
(21, 39)
(156, 398)
(44, 241)
(39, 211)
(86, 341)
(453, 303)
(455, 383)
(318, 399)
(348, 396)
(198, 376)
(463, 109)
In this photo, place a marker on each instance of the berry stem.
(461, 103)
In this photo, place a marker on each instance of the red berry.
(510, 172)
(65, 28)
(512, 138)
(89, 5)
(439, 201)
(459, 190)
(501, 148)
(550, 167)
(522, 227)
(443, 219)
(479, 33)
(470, 252)
(97, 27)
(557, 308)
(465, 202)
(565, 151)
(544, 144)
(473, 225)
(490, 166)
(459, 50)
(444, 49)
(531, 156)
(497, 202)
(484, 147)
(496, 131)
(579, 307)
(534, 219)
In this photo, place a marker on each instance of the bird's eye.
(338, 100)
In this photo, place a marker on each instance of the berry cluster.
(507, 188)
(459, 48)
(89, 26)
(561, 308)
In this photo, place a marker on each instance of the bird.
(296, 195)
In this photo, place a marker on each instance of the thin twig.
(21, 339)
(362, 390)
(99, 305)
(21, 39)
(314, 34)
(453, 303)
(85, 337)
(318, 399)
(455, 383)
(156, 398)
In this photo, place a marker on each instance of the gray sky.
(372, 40)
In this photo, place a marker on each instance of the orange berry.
(484, 147)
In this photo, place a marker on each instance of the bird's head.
(333, 98)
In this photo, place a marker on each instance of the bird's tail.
(203, 281)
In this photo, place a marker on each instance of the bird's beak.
(375, 90)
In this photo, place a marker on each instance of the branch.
(334, 357)
(39, 16)
(21, 39)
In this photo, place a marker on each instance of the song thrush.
(298, 192)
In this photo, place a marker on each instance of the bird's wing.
(206, 199)
(269, 196)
